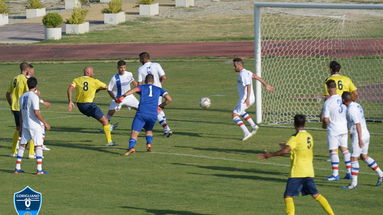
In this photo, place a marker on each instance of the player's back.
(29, 102)
(335, 110)
(343, 84)
(301, 154)
(151, 68)
(17, 88)
(355, 114)
(149, 95)
(244, 78)
(86, 88)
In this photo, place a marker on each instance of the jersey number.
(150, 91)
(340, 85)
(340, 110)
(309, 145)
(85, 88)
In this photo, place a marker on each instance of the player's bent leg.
(162, 120)
(132, 143)
(289, 205)
(19, 158)
(39, 160)
(149, 140)
(106, 126)
(374, 166)
(237, 120)
(347, 162)
(324, 203)
(248, 118)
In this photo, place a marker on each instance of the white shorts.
(35, 134)
(241, 107)
(335, 142)
(356, 150)
(129, 101)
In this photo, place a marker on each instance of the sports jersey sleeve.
(35, 103)
(111, 84)
(354, 116)
(139, 76)
(291, 143)
(246, 79)
(326, 111)
(352, 87)
(100, 84)
(73, 84)
(10, 86)
(161, 71)
(163, 92)
(325, 92)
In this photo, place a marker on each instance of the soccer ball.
(205, 102)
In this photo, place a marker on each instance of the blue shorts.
(306, 186)
(16, 115)
(90, 109)
(142, 121)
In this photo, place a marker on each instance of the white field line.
(244, 161)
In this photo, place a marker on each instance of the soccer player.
(246, 97)
(301, 178)
(334, 119)
(149, 67)
(119, 84)
(146, 115)
(17, 88)
(30, 120)
(343, 83)
(86, 88)
(360, 140)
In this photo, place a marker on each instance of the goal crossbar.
(257, 35)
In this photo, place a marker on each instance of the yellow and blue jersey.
(86, 88)
(17, 88)
(301, 155)
(343, 84)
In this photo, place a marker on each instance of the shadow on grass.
(233, 169)
(228, 111)
(249, 177)
(163, 212)
(224, 150)
(75, 145)
(195, 134)
(77, 130)
(200, 121)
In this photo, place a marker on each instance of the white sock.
(39, 157)
(162, 120)
(20, 153)
(354, 172)
(347, 160)
(239, 122)
(334, 163)
(247, 117)
(374, 166)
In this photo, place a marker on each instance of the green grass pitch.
(203, 169)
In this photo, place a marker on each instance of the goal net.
(297, 45)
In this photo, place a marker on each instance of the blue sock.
(132, 143)
(149, 139)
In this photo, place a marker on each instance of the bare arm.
(285, 150)
(9, 99)
(354, 95)
(267, 86)
(163, 78)
(70, 102)
(167, 101)
(112, 95)
(40, 117)
(359, 131)
(248, 91)
(325, 122)
(135, 83)
(132, 91)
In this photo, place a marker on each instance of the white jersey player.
(334, 119)
(246, 97)
(30, 120)
(119, 84)
(360, 140)
(156, 70)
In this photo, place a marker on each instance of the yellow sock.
(325, 205)
(15, 138)
(289, 206)
(31, 147)
(107, 133)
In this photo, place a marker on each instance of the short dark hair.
(335, 66)
(30, 65)
(24, 66)
(144, 55)
(238, 60)
(121, 63)
(32, 82)
(331, 84)
(149, 78)
(299, 120)
(347, 96)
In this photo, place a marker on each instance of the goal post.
(295, 42)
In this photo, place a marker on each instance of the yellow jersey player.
(343, 83)
(17, 88)
(301, 177)
(86, 88)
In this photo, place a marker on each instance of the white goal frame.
(257, 36)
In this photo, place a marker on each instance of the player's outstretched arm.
(325, 122)
(167, 101)
(285, 150)
(112, 96)
(69, 94)
(9, 98)
(132, 91)
(267, 86)
(40, 117)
